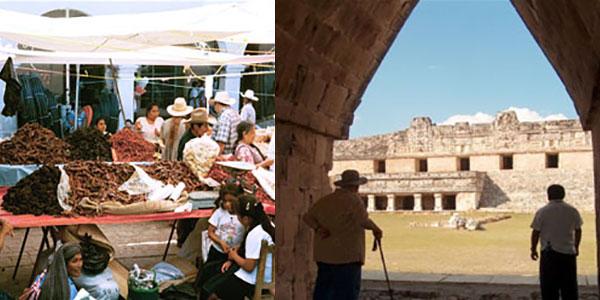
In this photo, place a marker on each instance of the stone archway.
(331, 49)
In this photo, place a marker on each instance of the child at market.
(224, 229)
(240, 282)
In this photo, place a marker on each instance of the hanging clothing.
(12, 93)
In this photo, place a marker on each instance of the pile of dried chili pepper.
(35, 194)
(34, 144)
(173, 172)
(131, 146)
(88, 143)
(99, 182)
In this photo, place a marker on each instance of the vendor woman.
(101, 126)
(245, 150)
(56, 283)
(150, 124)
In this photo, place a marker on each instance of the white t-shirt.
(248, 113)
(148, 130)
(556, 223)
(229, 228)
(253, 244)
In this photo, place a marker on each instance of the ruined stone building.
(506, 164)
(329, 51)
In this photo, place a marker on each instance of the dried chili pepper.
(88, 143)
(35, 194)
(131, 146)
(34, 144)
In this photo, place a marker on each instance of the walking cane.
(377, 243)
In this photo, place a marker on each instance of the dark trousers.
(558, 275)
(338, 281)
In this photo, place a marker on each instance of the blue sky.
(460, 57)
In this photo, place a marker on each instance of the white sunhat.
(224, 98)
(249, 94)
(179, 108)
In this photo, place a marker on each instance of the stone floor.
(462, 287)
(141, 243)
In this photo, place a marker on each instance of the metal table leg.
(44, 241)
(169, 241)
(21, 253)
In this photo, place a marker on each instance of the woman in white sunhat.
(248, 113)
(173, 129)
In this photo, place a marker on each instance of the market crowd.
(236, 228)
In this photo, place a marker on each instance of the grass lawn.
(501, 249)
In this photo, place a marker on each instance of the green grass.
(501, 249)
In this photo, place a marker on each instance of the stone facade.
(329, 51)
(506, 164)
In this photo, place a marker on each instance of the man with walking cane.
(339, 220)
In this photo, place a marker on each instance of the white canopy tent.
(141, 39)
(252, 21)
(163, 56)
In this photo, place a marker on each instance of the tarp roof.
(252, 21)
(169, 55)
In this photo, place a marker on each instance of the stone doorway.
(449, 202)
(404, 203)
(428, 202)
(381, 202)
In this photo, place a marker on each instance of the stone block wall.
(525, 190)
(398, 165)
(362, 166)
(442, 164)
(485, 163)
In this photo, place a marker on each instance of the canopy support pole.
(77, 68)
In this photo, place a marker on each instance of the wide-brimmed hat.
(223, 98)
(249, 94)
(200, 116)
(179, 108)
(350, 178)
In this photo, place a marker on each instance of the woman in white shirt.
(252, 215)
(150, 124)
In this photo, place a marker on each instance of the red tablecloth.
(25, 221)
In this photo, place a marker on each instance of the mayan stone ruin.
(504, 165)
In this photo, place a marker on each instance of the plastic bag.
(199, 155)
(166, 271)
(266, 179)
(140, 183)
(64, 189)
(161, 193)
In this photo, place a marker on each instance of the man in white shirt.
(248, 113)
(558, 225)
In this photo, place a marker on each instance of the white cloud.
(471, 119)
(523, 114)
(432, 67)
